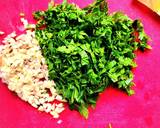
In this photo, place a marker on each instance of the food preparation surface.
(114, 106)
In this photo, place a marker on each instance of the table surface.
(141, 110)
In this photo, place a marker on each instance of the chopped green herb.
(87, 50)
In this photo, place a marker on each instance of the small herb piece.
(87, 49)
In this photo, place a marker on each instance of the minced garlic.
(23, 68)
(1, 33)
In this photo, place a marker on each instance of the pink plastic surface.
(141, 110)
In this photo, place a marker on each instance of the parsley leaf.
(88, 49)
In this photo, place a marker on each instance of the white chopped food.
(41, 108)
(1, 33)
(54, 114)
(27, 25)
(23, 68)
(25, 22)
(59, 121)
(59, 110)
(60, 105)
(58, 97)
(22, 14)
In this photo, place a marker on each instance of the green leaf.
(130, 92)
(84, 58)
(83, 111)
(72, 16)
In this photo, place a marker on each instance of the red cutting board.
(141, 110)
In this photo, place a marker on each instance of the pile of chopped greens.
(87, 50)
